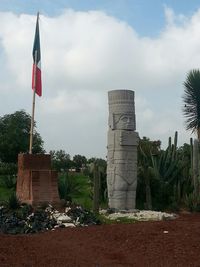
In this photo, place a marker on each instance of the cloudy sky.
(90, 47)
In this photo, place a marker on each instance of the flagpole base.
(37, 184)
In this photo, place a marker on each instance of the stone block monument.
(122, 150)
(36, 182)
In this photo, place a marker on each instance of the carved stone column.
(122, 150)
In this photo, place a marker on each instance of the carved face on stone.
(125, 121)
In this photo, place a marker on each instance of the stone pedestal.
(36, 182)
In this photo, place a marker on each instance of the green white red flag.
(36, 73)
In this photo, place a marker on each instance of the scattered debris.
(139, 215)
(26, 220)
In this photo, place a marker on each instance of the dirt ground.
(166, 243)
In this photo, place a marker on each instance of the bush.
(8, 181)
(8, 168)
(13, 201)
(68, 186)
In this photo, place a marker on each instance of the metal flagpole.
(33, 105)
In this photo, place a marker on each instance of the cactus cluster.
(165, 175)
(166, 164)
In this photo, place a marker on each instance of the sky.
(89, 48)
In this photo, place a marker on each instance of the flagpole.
(33, 105)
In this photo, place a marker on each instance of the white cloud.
(172, 19)
(85, 54)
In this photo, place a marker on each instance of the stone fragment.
(64, 218)
(69, 225)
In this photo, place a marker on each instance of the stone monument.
(36, 182)
(122, 150)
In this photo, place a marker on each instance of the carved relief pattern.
(122, 150)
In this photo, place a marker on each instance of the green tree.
(14, 136)
(60, 160)
(191, 111)
(79, 161)
(191, 99)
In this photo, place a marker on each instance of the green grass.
(84, 196)
(5, 193)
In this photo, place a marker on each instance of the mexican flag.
(36, 73)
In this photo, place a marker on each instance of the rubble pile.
(27, 220)
(139, 215)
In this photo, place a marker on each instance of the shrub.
(68, 186)
(8, 181)
(13, 201)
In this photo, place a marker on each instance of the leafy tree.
(191, 99)
(60, 160)
(14, 136)
(79, 161)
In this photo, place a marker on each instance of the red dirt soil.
(138, 244)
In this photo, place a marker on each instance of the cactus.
(168, 167)
(167, 162)
(191, 155)
(196, 166)
(170, 142)
(96, 175)
(176, 139)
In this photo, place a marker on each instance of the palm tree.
(191, 111)
(191, 99)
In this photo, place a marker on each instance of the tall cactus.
(191, 155)
(170, 142)
(96, 175)
(196, 166)
(168, 167)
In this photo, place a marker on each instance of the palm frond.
(191, 100)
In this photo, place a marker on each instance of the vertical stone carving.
(122, 150)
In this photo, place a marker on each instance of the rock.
(67, 209)
(69, 225)
(56, 214)
(64, 218)
(144, 215)
(26, 220)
